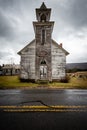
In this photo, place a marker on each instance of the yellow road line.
(43, 110)
(43, 107)
(57, 108)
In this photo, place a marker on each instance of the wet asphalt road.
(43, 121)
(47, 96)
(38, 120)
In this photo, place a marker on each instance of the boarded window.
(43, 36)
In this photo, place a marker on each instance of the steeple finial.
(43, 6)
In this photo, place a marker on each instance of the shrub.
(27, 80)
(65, 80)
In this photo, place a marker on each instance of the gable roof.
(66, 52)
(54, 42)
(26, 47)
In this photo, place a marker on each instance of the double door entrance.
(43, 72)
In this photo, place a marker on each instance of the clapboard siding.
(28, 62)
(43, 58)
(58, 62)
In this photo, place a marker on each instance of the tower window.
(43, 36)
(43, 18)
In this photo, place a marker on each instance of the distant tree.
(0, 67)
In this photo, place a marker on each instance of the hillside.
(79, 66)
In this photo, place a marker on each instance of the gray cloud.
(6, 29)
(16, 29)
(4, 54)
(78, 13)
(72, 12)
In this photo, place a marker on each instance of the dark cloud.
(78, 14)
(72, 13)
(6, 29)
(16, 29)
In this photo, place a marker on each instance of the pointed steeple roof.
(43, 6)
(43, 10)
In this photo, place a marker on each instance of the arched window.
(43, 18)
(43, 62)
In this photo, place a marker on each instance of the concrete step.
(43, 81)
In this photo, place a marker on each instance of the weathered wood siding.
(58, 63)
(43, 58)
(43, 52)
(28, 62)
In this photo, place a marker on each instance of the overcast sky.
(16, 28)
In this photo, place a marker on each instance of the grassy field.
(14, 82)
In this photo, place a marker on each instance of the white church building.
(43, 58)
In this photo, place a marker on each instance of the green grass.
(73, 83)
(14, 82)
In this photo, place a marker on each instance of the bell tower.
(43, 28)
